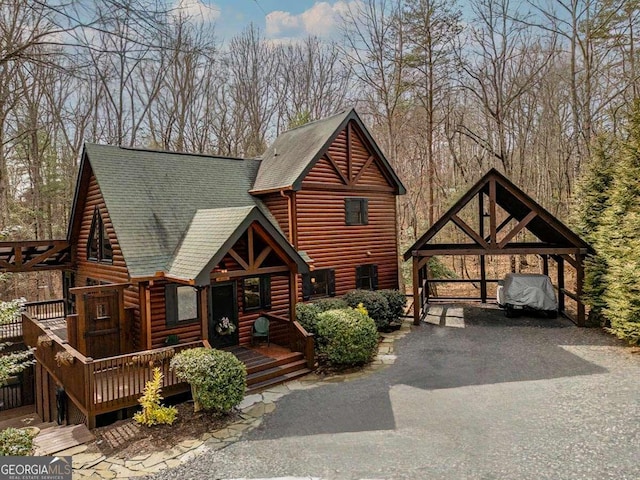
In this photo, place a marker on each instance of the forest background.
(529, 87)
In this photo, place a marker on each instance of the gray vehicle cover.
(529, 290)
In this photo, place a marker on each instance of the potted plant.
(225, 326)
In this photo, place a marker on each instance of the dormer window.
(98, 246)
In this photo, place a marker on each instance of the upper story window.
(98, 246)
(319, 283)
(256, 293)
(181, 304)
(367, 277)
(356, 211)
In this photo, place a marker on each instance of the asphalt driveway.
(473, 395)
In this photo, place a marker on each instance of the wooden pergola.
(34, 255)
(519, 212)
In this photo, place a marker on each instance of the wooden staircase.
(264, 371)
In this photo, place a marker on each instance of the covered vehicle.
(527, 291)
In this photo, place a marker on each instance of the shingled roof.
(294, 153)
(210, 235)
(152, 198)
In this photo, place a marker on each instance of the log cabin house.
(167, 251)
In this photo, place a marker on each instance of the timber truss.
(34, 256)
(509, 212)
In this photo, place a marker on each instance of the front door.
(223, 319)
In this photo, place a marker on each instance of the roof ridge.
(170, 152)
(341, 112)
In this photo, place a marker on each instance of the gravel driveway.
(473, 395)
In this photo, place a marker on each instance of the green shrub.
(375, 303)
(307, 316)
(218, 379)
(153, 412)
(397, 302)
(325, 304)
(347, 337)
(15, 441)
(307, 313)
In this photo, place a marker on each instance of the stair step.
(275, 371)
(256, 387)
(263, 364)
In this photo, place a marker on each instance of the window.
(256, 293)
(318, 284)
(356, 211)
(181, 303)
(98, 246)
(367, 277)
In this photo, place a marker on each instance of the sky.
(278, 19)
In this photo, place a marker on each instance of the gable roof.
(294, 153)
(545, 226)
(212, 233)
(152, 197)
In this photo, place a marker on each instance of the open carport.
(497, 212)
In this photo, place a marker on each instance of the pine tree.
(619, 239)
(590, 200)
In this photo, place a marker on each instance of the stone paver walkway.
(95, 466)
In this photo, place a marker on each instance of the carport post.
(581, 320)
(483, 280)
(560, 261)
(417, 299)
(545, 264)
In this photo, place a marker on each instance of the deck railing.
(11, 331)
(299, 339)
(47, 310)
(101, 385)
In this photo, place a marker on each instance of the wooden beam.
(238, 259)
(250, 246)
(336, 168)
(503, 224)
(250, 273)
(203, 298)
(324, 187)
(364, 167)
(469, 231)
(517, 229)
(561, 305)
(545, 264)
(17, 260)
(417, 307)
(571, 260)
(533, 250)
(493, 232)
(263, 255)
(43, 256)
(483, 279)
(581, 317)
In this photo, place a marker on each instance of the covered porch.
(97, 386)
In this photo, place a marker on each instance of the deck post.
(89, 397)
(417, 299)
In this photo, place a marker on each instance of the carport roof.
(554, 236)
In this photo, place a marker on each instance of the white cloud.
(321, 19)
(198, 10)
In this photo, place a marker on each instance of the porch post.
(560, 261)
(293, 295)
(203, 298)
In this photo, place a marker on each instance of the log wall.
(115, 272)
